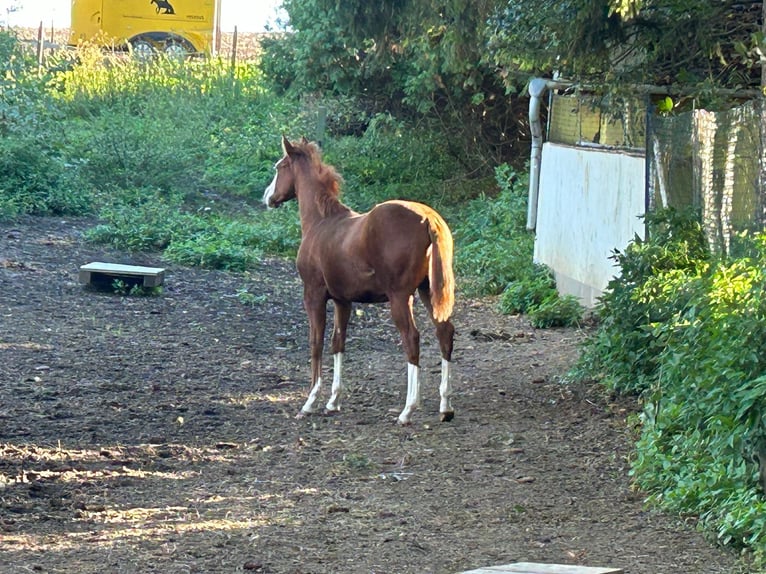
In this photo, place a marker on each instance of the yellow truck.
(174, 27)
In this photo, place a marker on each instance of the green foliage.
(555, 311)
(536, 295)
(152, 223)
(689, 332)
(124, 288)
(658, 281)
(36, 181)
(245, 297)
(705, 422)
(495, 246)
(227, 120)
(36, 176)
(236, 245)
(528, 293)
(413, 58)
(599, 40)
(394, 161)
(198, 239)
(465, 61)
(495, 256)
(155, 149)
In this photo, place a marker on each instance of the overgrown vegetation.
(174, 157)
(687, 331)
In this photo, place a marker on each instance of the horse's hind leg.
(340, 324)
(445, 333)
(401, 313)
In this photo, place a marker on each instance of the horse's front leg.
(315, 309)
(340, 325)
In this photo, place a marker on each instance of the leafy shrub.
(212, 252)
(34, 181)
(150, 225)
(390, 161)
(688, 331)
(495, 248)
(236, 245)
(655, 284)
(555, 311)
(704, 426)
(528, 293)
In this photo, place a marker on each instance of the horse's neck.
(316, 202)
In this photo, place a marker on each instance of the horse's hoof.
(301, 415)
(331, 412)
(447, 417)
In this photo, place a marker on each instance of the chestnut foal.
(386, 254)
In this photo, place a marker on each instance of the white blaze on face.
(272, 188)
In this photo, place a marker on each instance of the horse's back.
(398, 226)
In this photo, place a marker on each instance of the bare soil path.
(157, 434)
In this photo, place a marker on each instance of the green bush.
(657, 282)
(391, 161)
(495, 248)
(35, 181)
(688, 331)
(555, 311)
(704, 426)
(149, 225)
(212, 252)
(525, 294)
(237, 245)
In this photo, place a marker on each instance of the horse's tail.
(440, 275)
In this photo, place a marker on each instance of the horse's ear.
(304, 140)
(287, 147)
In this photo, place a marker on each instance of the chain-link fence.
(710, 161)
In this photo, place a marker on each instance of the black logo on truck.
(163, 5)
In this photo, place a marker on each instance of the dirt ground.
(158, 434)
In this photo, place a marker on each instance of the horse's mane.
(330, 180)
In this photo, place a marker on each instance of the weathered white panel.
(589, 204)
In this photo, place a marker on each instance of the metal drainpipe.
(536, 89)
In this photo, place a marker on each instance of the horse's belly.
(360, 295)
(369, 297)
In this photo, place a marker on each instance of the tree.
(466, 61)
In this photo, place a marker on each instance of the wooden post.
(234, 50)
(40, 44)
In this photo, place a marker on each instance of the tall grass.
(164, 153)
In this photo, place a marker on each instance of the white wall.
(588, 205)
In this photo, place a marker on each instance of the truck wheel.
(175, 50)
(142, 49)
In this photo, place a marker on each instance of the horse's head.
(282, 187)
